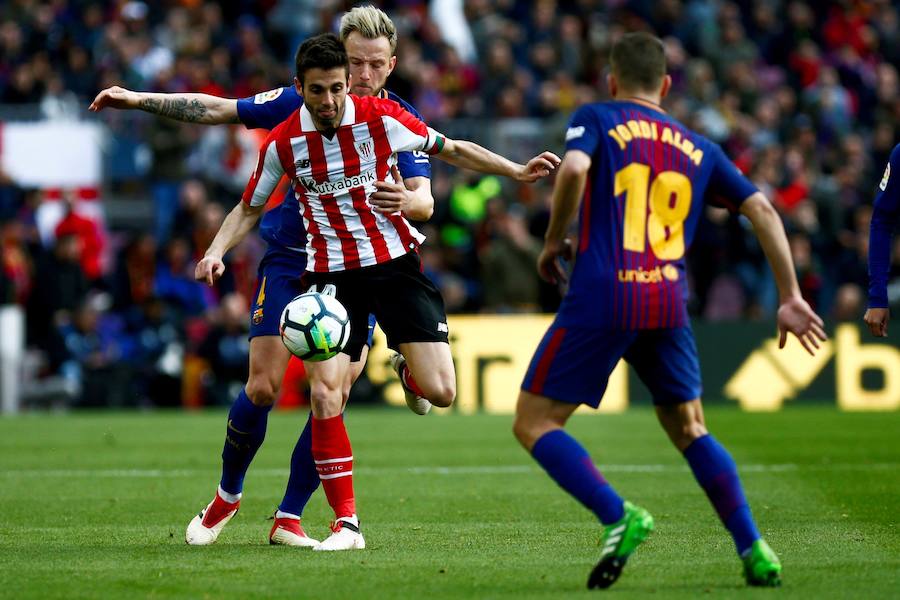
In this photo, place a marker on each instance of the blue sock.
(304, 478)
(568, 463)
(717, 475)
(243, 437)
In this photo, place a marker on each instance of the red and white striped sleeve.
(406, 133)
(266, 175)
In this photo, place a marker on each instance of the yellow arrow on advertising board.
(770, 376)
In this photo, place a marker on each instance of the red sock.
(334, 462)
(410, 382)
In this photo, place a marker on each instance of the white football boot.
(205, 528)
(288, 532)
(328, 289)
(416, 403)
(345, 536)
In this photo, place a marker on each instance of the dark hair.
(638, 61)
(324, 51)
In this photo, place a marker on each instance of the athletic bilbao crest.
(364, 149)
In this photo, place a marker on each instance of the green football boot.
(619, 541)
(761, 565)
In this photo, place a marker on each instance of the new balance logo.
(442, 327)
(303, 163)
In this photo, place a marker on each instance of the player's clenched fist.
(391, 197)
(877, 320)
(549, 265)
(209, 269)
(115, 97)
(797, 317)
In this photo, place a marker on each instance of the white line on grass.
(446, 470)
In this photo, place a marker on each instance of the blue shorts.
(574, 364)
(277, 283)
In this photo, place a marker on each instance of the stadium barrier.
(12, 353)
(741, 365)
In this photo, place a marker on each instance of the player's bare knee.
(444, 393)
(522, 431)
(261, 391)
(692, 430)
(324, 390)
(683, 433)
(325, 398)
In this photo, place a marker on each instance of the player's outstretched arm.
(567, 193)
(235, 228)
(411, 196)
(189, 108)
(794, 314)
(469, 155)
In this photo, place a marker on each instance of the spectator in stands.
(509, 278)
(170, 143)
(88, 234)
(15, 264)
(60, 286)
(174, 281)
(92, 342)
(156, 352)
(135, 272)
(227, 349)
(805, 95)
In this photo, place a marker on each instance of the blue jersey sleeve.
(411, 164)
(267, 109)
(885, 216)
(727, 187)
(584, 131)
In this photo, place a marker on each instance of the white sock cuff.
(353, 519)
(229, 498)
(285, 515)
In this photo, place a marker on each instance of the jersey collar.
(307, 124)
(647, 103)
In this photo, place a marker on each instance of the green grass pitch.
(95, 505)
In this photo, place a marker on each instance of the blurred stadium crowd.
(804, 95)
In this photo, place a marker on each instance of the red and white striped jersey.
(333, 179)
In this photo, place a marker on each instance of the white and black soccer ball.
(314, 326)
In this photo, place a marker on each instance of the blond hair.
(371, 23)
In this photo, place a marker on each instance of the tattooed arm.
(189, 108)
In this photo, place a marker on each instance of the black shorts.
(405, 302)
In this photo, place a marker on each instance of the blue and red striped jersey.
(649, 178)
(281, 227)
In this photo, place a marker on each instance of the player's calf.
(261, 391)
(429, 371)
(683, 422)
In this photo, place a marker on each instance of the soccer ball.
(314, 326)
